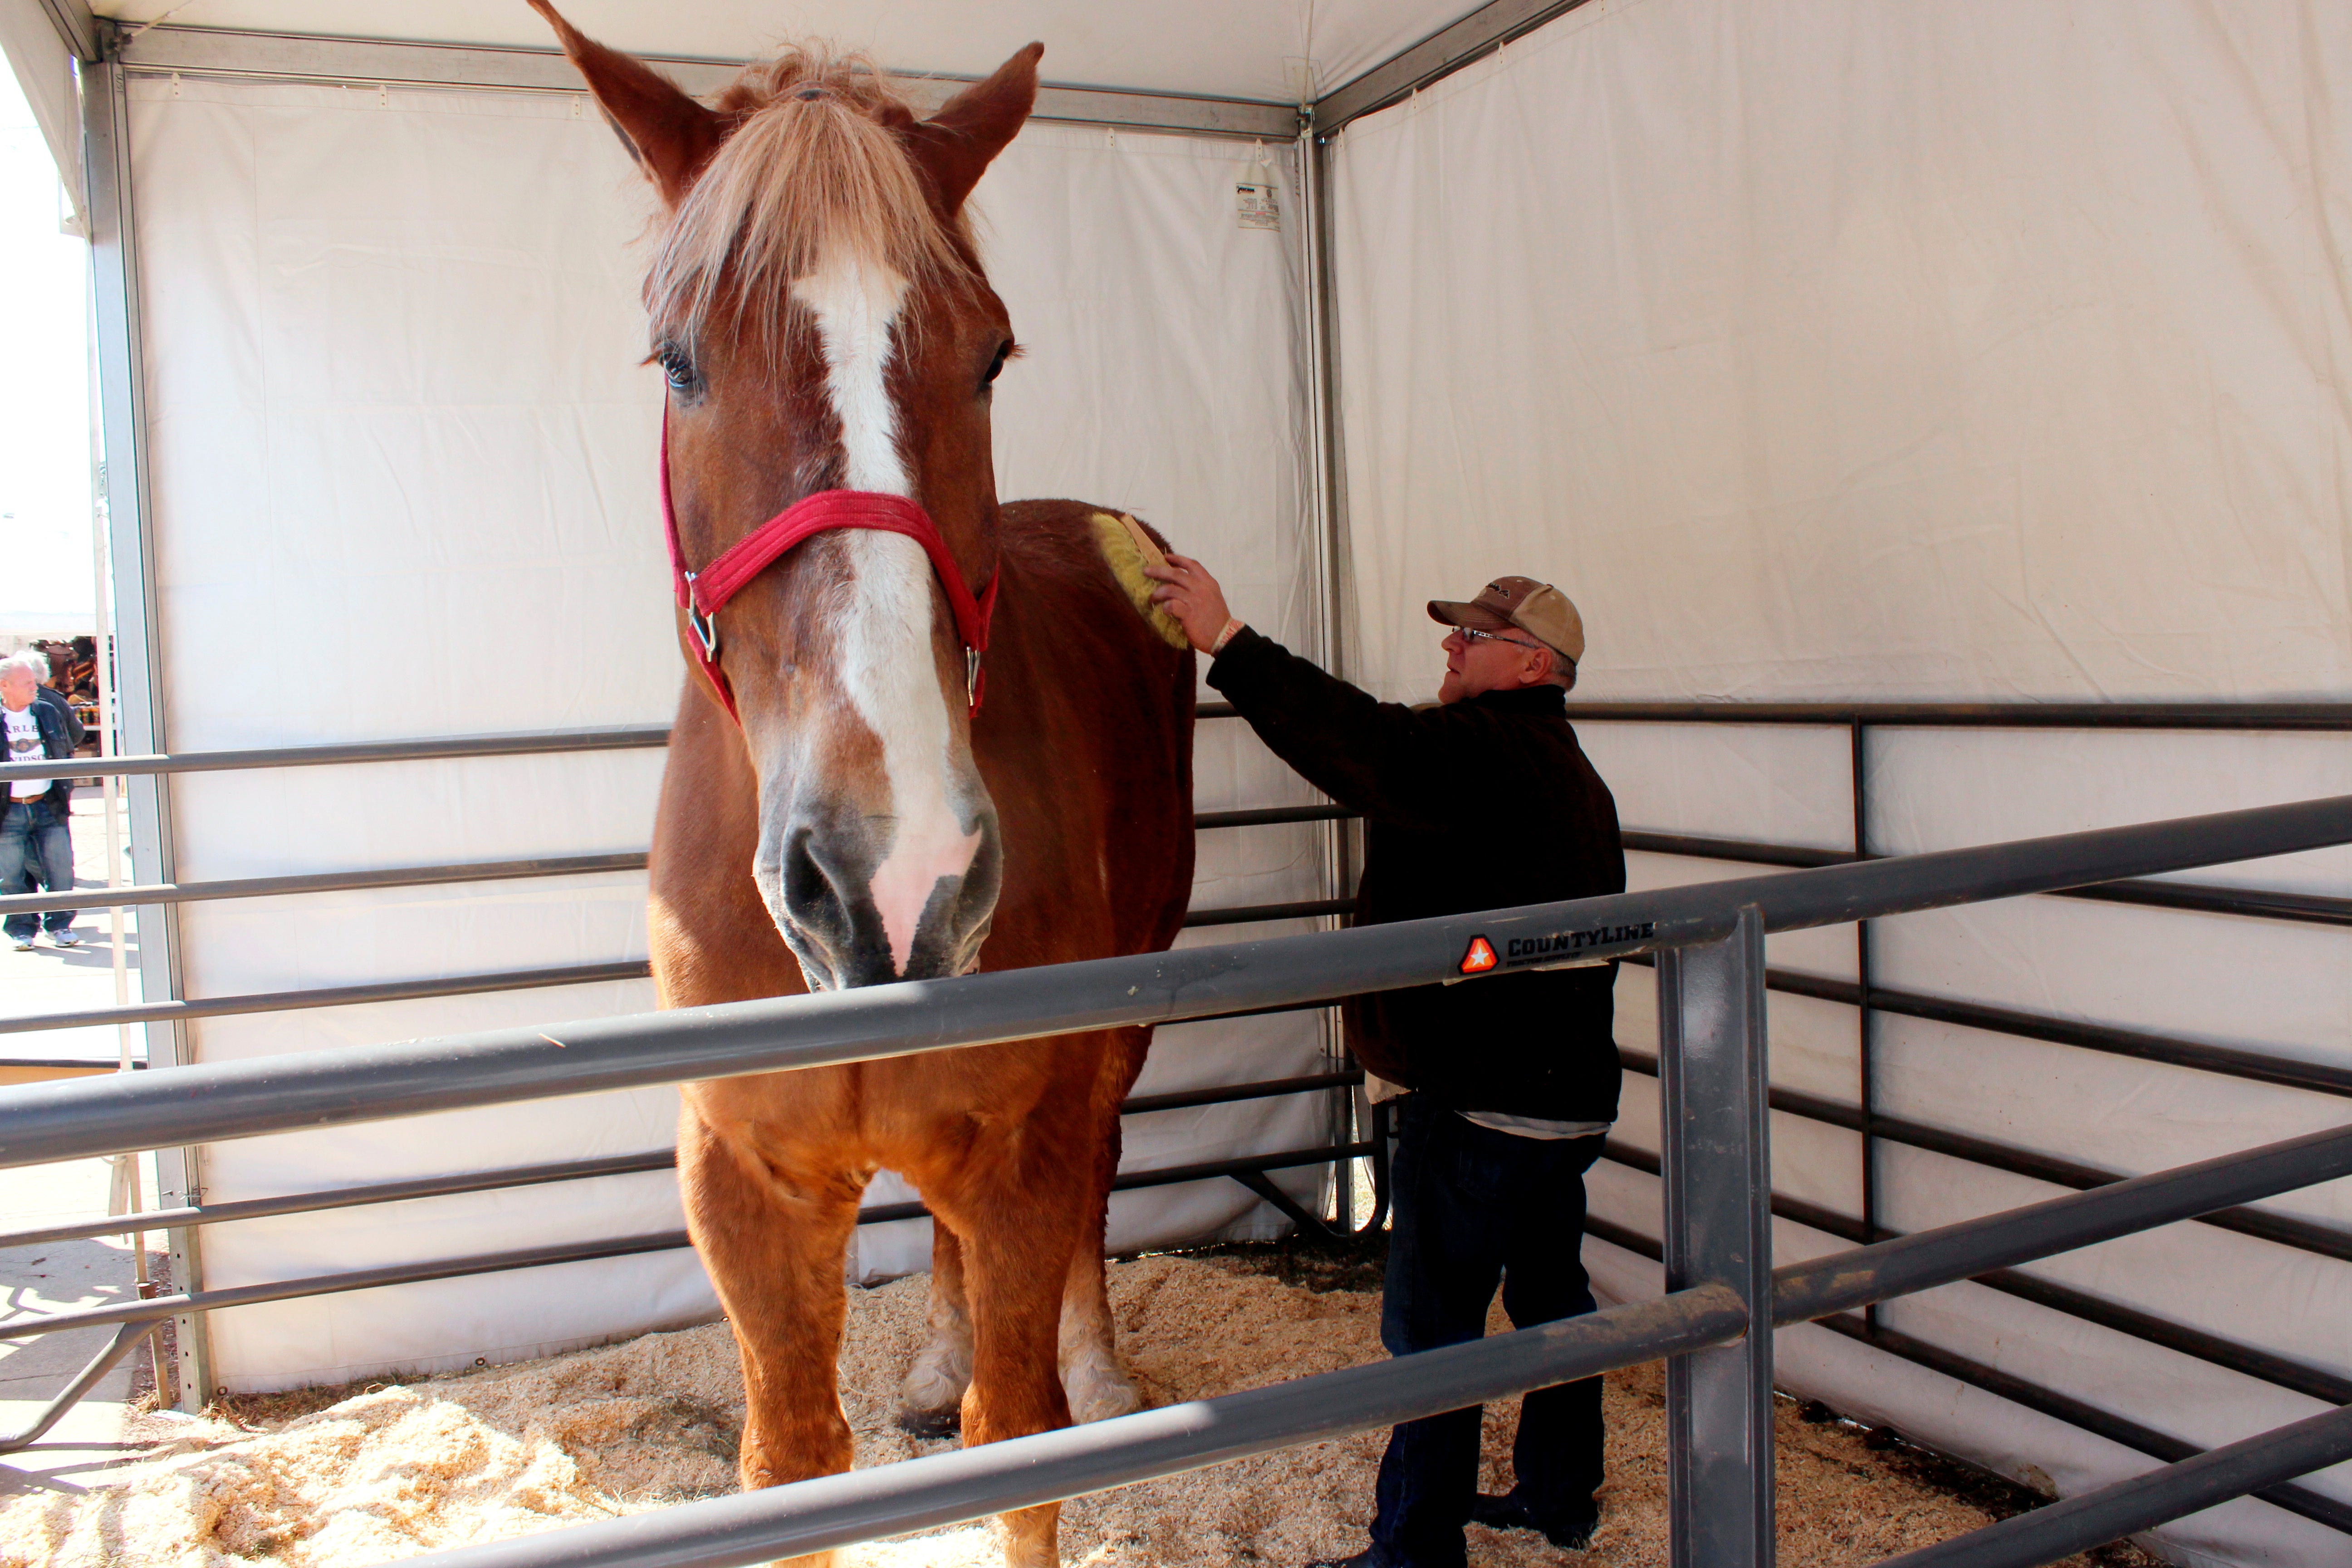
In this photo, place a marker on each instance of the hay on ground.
(488, 1455)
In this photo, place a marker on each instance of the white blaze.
(885, 634)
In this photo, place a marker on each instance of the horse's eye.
(996, 365)
(677, 365)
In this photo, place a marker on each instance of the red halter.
(701, 595)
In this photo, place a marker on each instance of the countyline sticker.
(1555, 947)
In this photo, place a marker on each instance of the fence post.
(1719, 1190)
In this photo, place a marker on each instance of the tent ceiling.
(1224, 48)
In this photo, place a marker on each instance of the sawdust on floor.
(395, 1471)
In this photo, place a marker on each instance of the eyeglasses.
(1471, 633)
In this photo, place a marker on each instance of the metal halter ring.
(705, 630)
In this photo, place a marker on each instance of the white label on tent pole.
(1254, 200)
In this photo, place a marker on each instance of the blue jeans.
(1473, 1206)
(35, 844)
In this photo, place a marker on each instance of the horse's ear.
(956, 146)
(669, 134)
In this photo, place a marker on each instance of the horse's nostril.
(805, 885)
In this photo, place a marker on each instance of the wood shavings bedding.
(493, 1454)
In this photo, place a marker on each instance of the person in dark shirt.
(35, 873)
(34, 811)
(1485, 801)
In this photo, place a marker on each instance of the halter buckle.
(971, 677)
(705, 630)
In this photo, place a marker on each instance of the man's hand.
(1193, 596)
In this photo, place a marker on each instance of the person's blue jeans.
(36, 844)
(1472, 1207)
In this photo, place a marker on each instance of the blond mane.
(810, 168)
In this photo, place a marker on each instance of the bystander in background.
(36, 834)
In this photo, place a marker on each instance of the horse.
(921, 734)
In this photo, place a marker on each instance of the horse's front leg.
(773, 1240)
(1018, 1218)
(1096, 1385)
(931, 1401)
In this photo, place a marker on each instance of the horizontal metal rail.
(813, 1516)
(508, 1260)
(2229, 1061)
(2016, 1390)
(2251, 717)
(191, 1215)
(516, 980)
(517, 743)
(2256, 1067)
(563, 1171)
(2258, 903)
(2301, 1234)
(330, 996)
(1847, 1281)
(204, 1104)
(373, 62)
(1252, 914)
(1169, 1176)
(2232, 1355)
(2242, 716)
(2033, 1165)
(520, 743)
(2251, 1361)
(2253, 1465)
(1461, 43)
(137, 896)
(2100, 1422)
(158, 893)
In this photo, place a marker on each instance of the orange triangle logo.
(1480, 958)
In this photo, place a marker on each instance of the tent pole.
(1328, 508)
(137, 674)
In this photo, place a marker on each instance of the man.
(1483, 802)
(48, 694)
(33, 816)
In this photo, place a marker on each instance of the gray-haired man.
(35, 840)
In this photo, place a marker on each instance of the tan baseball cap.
(1537, 608)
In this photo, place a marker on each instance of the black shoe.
(1506, 1513)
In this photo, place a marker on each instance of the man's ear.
(955, 146)
(669, 134)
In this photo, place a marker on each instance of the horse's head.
(822, 318)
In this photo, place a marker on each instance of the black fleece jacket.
(1482, 804)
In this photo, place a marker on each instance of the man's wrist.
(1232, 625)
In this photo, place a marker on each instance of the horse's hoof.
(1104, 1401)
(944, 1422)
(1097, 1390)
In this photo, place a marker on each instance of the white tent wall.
(1854, 351)
(35, 49)
(404, 461)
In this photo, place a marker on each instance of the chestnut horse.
(847, 803)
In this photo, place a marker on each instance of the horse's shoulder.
(1082, 546)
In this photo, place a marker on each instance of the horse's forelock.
(810, 169)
